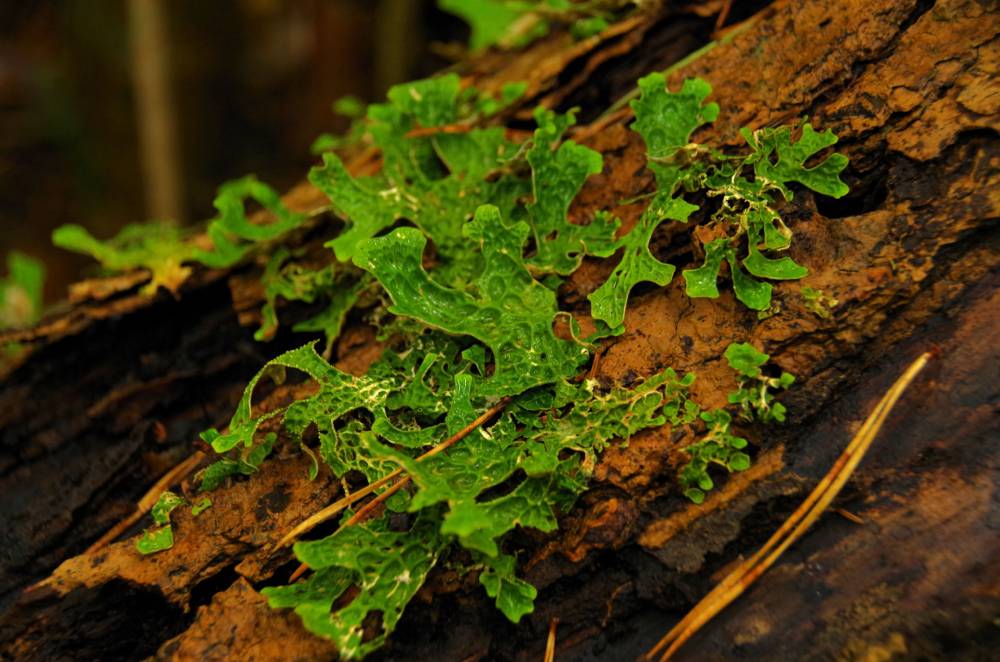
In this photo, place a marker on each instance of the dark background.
(251, 85)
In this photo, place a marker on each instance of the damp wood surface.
(117, 386)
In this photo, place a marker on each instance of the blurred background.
(117, 111)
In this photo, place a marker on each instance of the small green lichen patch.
(638, 264)
(703, 281)
(160, 248)
(514, 597)
(666, 120)
(245, 464)
(232, 233)
(720, 446)
(338, 285)
(818, 302)
(161, 537)
(201, 506)
(517, 23)
(779, 159)
(21, 291)
(755, 396)
(557, 175)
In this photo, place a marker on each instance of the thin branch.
(425, 131)
(301, 570)
(848, 515)
(738, 581)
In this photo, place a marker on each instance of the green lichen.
(744, 186)
(338, 286)
(517, 23)
(434, 182)
(558, 171)
(21, 291)
(511, 313)
(513, 596)
(819, 303)
(489, 20)
(719, 445)
(755, 396)
(166, 250)
(387, 567)
(161, 249)
(455, 252)
(201, 506)
(160, 537)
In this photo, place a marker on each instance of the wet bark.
(117, 386)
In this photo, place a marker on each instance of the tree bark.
(117, 386)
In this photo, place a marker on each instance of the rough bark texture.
(117, 387)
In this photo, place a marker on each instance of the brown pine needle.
(365, 510)
(321, 516)
(804, 516)
(464, 432)
(301, 570)
(331, 510)
(723, 15)
(424, 131)
(147, 502)
(550, 644)
(848, 515)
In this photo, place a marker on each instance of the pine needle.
(550, 644)
(723, 15)
(331, 510)
(325, 514)
(175, 475)
(738, 581)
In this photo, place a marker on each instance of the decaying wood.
(118, 386)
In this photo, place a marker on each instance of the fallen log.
(117, 387)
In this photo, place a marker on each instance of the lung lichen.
(470, 324)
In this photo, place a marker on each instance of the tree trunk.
(117, 386)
